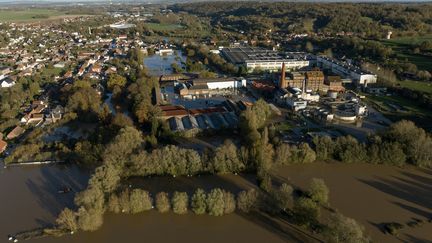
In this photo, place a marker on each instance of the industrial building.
(262, 59)
(209, 86)
(311, 81)
(182, 119)
(334, 83)
(345, 70)
(314, 80)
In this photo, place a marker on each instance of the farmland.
(30, 15)
(417, 85)
(401, 47)
(163, 27)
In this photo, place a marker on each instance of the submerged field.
(373, 195)
(370, 194)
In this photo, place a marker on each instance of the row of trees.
(202, 52)
(304, 210)
(402, 143)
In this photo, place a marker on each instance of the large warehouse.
(258, 58)
(358, 75)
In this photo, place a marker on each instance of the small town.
(293, 122)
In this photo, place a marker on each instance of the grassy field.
(402, 45)
(163, 27)
(417, 85)
(408, 109)
(29, 15)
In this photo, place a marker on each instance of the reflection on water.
(30, 198)
(158, 65)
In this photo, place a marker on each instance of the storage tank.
(332, 94)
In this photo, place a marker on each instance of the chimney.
(304, 86)
(282, 79)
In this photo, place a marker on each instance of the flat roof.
(240, 55)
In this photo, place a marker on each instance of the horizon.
(196, 1)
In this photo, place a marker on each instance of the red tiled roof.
(3, 146)
(15, 132)
(176, 113)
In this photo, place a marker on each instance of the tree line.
(367, 20)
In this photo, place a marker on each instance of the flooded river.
(30, 199)
(373, 195)
(370, 194)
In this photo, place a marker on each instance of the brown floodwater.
(373, 195)
(370, 194)
(30, 199)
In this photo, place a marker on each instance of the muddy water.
(373, 195)
(370, 194)
(30, 199)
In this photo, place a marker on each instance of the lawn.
(402, 45)
(163, 27)
(284, 126)
(28, 15)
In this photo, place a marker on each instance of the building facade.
(359, 76)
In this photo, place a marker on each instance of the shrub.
(393, 228)
(67, 219)
(283, 196)
(89, 219)
(215, 202)
(306, 211)
(344, 229)
(140, 201)
(180, 202)
(229, 202)
(318, 191)
(198, 203)
(247, 200)
(162, 202)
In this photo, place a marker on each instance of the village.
(318, 89)
(215, 121)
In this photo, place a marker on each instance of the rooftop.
(240, 55)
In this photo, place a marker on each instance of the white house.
(7, 83)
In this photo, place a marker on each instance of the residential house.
(7, 82)
(16, 132)
(3, 146)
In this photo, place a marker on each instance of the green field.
(163, 27)
(28, 15)
(409, 110)
(417, 85)
(402, 45)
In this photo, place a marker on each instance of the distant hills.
(191, 1)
